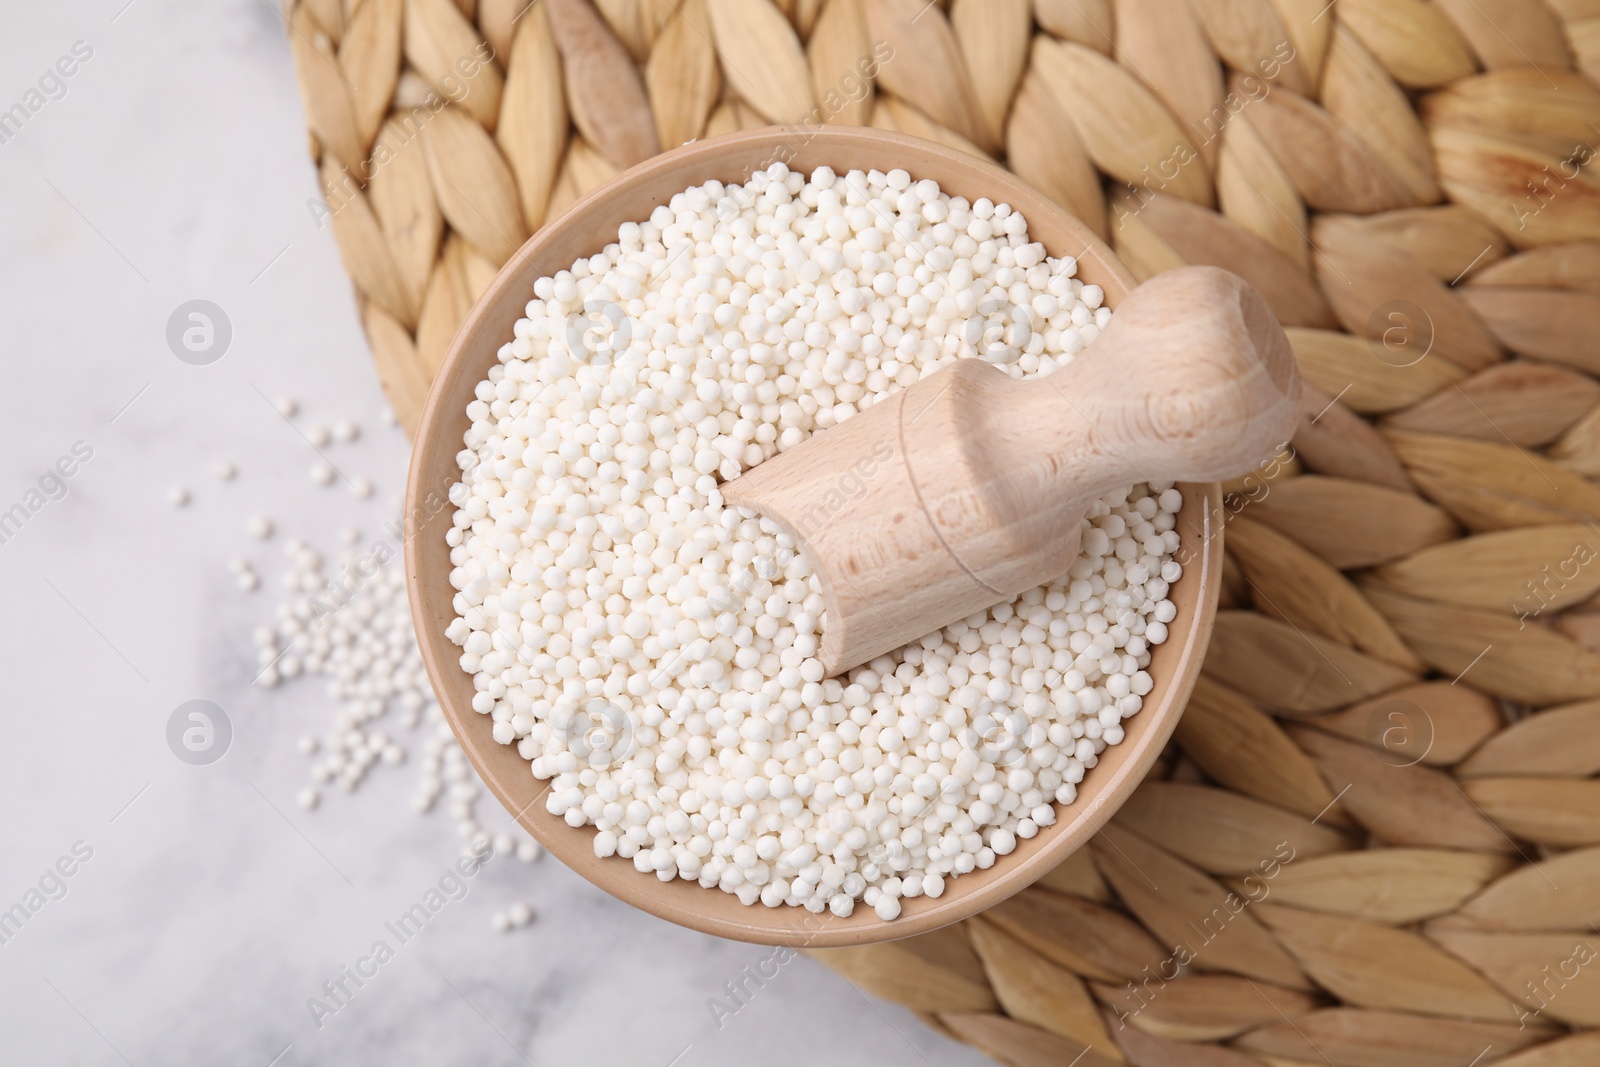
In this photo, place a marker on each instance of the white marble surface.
(173, 168)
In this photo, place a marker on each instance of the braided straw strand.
(1375, 838)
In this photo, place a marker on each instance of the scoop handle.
(1193, 380)
(970, 487)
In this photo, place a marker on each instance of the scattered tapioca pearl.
(249, 581)
(224, 470)
(350, 535)
(287, 406)
(500, 921)
(260, 527)
(347, 623)
(361, 487)
(345, 432)
(596, 566)
(322, 474)
(519, 914)
(319, 436)
(308, 798)
(178, 496)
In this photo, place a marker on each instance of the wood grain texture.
(979, 482)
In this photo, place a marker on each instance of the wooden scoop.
(970, 487)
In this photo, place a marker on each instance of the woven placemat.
(1376, 838)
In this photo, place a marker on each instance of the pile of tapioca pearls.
(652, 652)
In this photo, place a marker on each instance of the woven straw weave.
(1375, 841)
